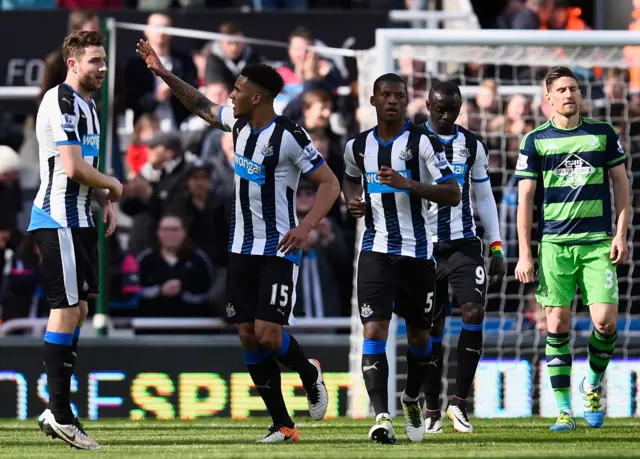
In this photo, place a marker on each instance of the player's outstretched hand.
(496, 270)
(146, 52)
(356, 207)
(109, 218)
(524, 270)
(619, 251)
(392, 178)
(115, 192)
(294, 240)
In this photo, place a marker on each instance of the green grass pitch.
(343, 438)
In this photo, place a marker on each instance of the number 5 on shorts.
(284, 294)
(429, 307)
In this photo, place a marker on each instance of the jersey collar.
(563, 129)
(444, 141)
(386, 144)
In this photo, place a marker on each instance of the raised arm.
(196, 102)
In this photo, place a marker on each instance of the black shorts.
(69, 264)
(260, 288)
(461, 265)
(394, 283)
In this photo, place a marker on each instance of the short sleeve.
(432, 153)
(352, 171)
(528, 165)
(304, 154)
(614, 153)
(63, 117)
(226, 118)
(480, 168)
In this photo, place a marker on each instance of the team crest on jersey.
(462, 151)
(231, 310)
(267, 150)
(574, 171)
(406, 154)
(365, 310)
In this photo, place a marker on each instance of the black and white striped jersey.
(468, 158)
(267, 164)
(396, 220)
(64, 118)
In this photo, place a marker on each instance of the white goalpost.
(504, 65)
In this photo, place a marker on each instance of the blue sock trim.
(76, 332)
(421, 352)
(257, 356)
(374, 346)
(470, 327)
(436, 339)
(63, 339)
(284, 345)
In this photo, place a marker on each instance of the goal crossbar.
(387, 39)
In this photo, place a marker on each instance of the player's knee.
(247, 335)
(64, 317)
(269, 337)
(376, 330)
(472, 313)
(558, 319)
(419, 339)
(605, 326)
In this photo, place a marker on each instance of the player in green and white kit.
(572, 158)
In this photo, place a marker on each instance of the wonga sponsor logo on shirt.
(249, 170)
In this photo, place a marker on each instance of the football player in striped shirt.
(395, 165)
(458, 253)
(68, 131)
(569, 161)
(265, 238)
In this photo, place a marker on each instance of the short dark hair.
(264, 76)
(389, 78)
(557, 73)
(301, 32)
(445, 88)
(230, 28)
(76, 42)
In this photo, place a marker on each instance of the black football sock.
(434, 375)
(418, 359)
(265, 374)
(469, 352)
(375, 371)
(292, 357)
(57, 358)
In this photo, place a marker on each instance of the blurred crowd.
(169, 255)
(157, 5)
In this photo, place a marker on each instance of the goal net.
(500, 75)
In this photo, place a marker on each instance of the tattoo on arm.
(196, 102)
